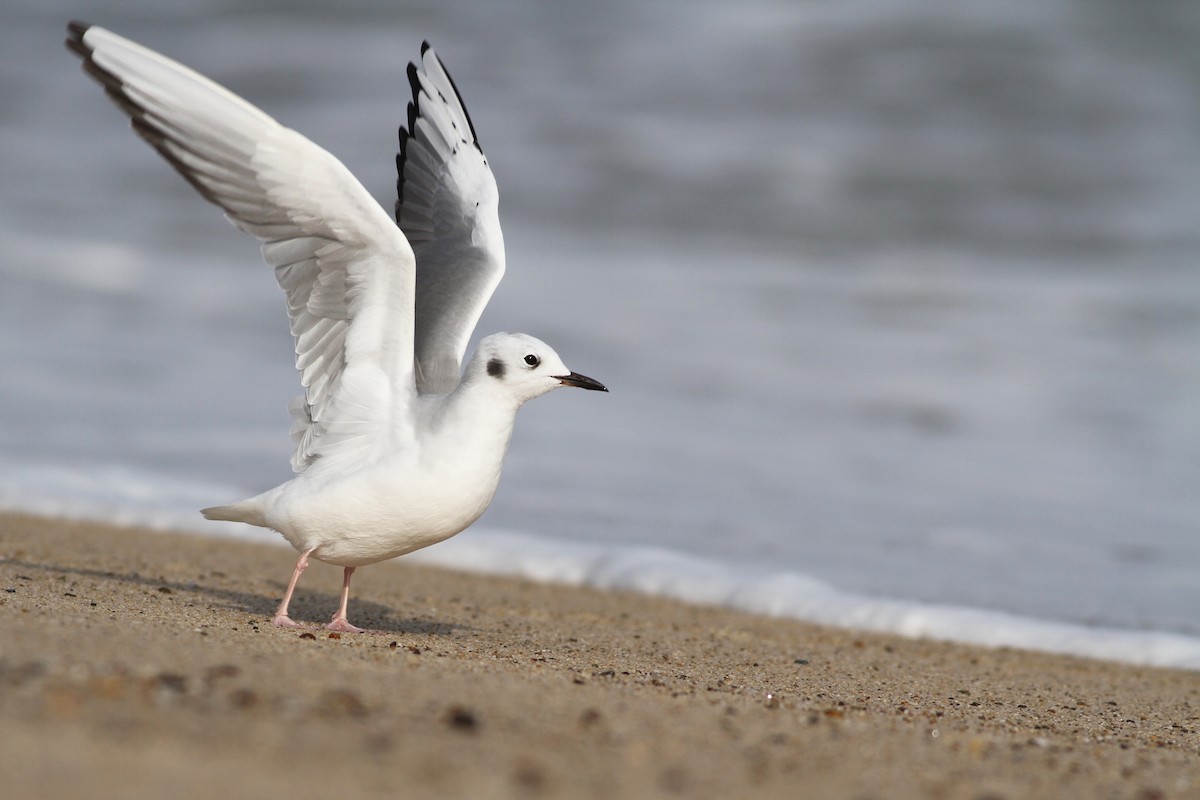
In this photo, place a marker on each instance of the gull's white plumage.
(394, 451)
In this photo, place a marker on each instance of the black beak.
(582, 381)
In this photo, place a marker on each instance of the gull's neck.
(478, 416)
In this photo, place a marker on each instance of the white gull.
(397, 447)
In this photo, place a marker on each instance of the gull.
(396, 445)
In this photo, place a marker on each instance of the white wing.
(448, 209)
(347, 270)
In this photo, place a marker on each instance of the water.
(898, 302)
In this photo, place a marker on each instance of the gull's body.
(418, 495)
(396, 446)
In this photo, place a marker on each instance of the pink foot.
(284, 621)
(342, 625)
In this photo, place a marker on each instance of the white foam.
(797, 596)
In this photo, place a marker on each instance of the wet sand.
(140, 664)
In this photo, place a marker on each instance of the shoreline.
(135, 663)
(674, 575)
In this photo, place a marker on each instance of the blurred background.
(900, 295)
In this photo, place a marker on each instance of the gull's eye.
(532, 360)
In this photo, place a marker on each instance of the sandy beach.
(140, 664)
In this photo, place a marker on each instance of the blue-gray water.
(900, 296)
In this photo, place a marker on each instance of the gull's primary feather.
(347, 270)
(447, 206)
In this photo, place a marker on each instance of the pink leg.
(281, 614)
(339, 621)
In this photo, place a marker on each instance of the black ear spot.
(495, 368)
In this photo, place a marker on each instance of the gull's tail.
(246, 511)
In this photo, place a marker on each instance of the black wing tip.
(112, 85)
(400, 176)
(414, 86)
(74, 42)
(115, 89)
(407, 131)
(414, 111)
(414, 83)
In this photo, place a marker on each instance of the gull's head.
(526, 367)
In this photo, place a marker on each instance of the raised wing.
(447, 206)
(346, 269)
